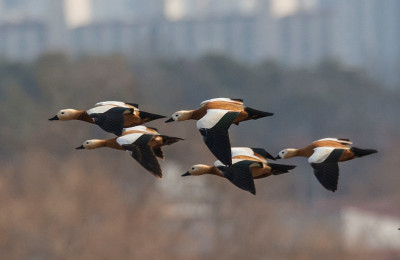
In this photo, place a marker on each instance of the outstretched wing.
(240, 175)
(214, 129)
(111, 121)
(143, 154)
(325, 164)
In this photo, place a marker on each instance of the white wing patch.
(218, 163)
(113, 103)
(211, 118)
(320, 154)
(137, 128)
(244, 151)
(219, 99)
(100, 109)
(129, 138)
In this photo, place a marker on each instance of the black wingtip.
(327, 174)
(240, 175)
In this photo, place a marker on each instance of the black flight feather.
(240, 175)
(111, 121)
(217, 138)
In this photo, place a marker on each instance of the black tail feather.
(277, 169)
(167, 140)
(362, 152)
(146, 116)
(255, 114)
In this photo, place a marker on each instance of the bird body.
(324, 155)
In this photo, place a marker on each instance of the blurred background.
(325, 68)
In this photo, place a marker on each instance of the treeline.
(63, 203)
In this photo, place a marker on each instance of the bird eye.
(87, 142)
(192, 168)
(62, 113)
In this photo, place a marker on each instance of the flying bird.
(215, 116)
(324, 155)
(248, 164)
(143, 143)
(111, 116)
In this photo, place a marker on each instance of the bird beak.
(186, 174)
(54, 118)
(278, 157)
(80, 147)
(169, 120)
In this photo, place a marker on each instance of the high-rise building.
(127, 10)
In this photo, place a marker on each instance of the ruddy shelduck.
(215, 116)
(247, 164)
(324, 155)
(143, 143)
(111, 116)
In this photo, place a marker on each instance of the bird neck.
(112, 143)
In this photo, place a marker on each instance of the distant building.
(185, 38)
(360, 34)
(370, 229)
(232, 35)
(126, 10)
(23, 41)
(108, 38)
(305, 38)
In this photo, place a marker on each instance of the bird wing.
(324, 161)
(112, 120)
(231, 100)
(141, 151)
(343, 141)
(240, 174)
(116, 103)
(214, 129)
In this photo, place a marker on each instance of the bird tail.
(149, 116)
(255, 114)
(362, 152)
(167, 140)
(278, 169)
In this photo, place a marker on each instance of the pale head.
(181, 115)
(66, 114)
(92, 144)
(198, 169)
(286, 153)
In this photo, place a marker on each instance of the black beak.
(54, 118)
(80, 147)
(186, 174)
(169, 120)
(278, 157)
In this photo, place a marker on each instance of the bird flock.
(239, 165)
